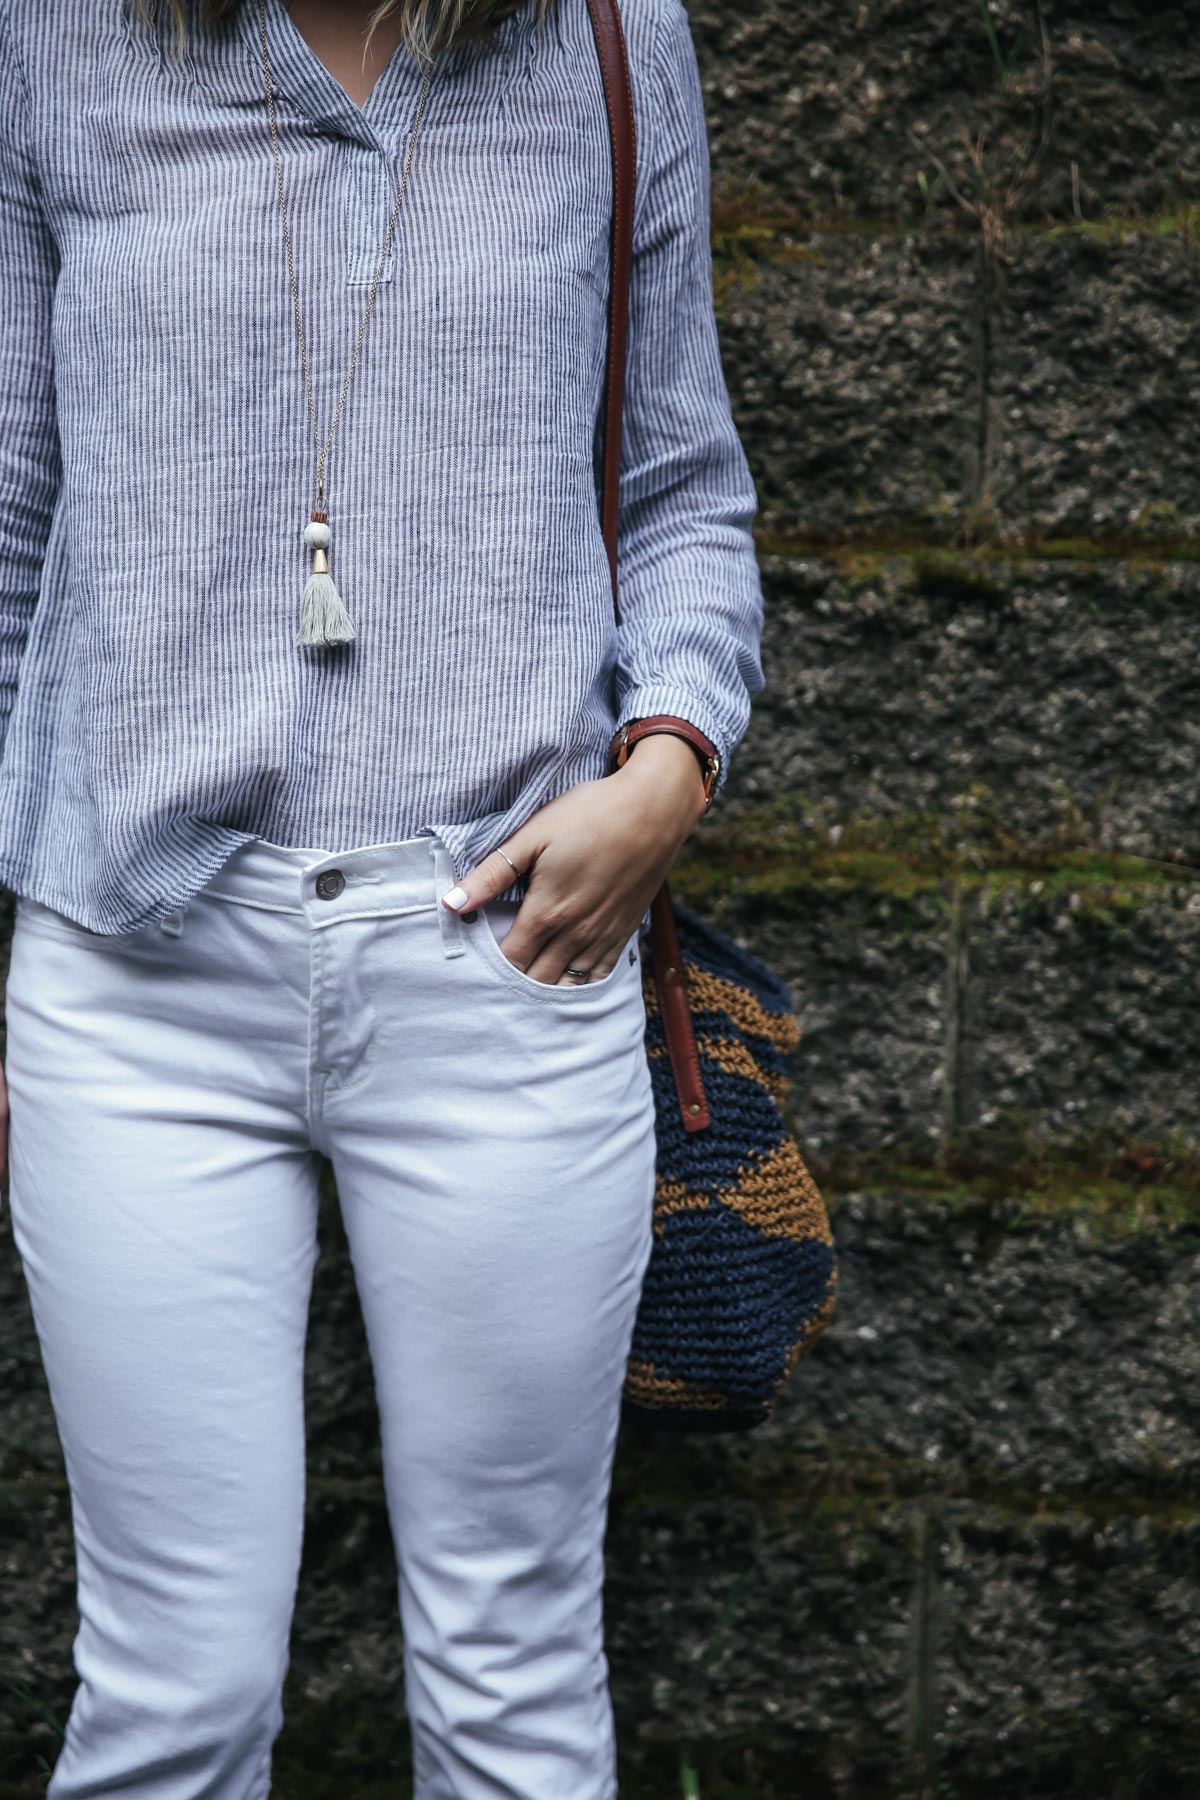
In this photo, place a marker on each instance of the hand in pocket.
(595, 856)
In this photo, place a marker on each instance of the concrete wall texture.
(957, 266)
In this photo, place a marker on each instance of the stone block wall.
(957, 266)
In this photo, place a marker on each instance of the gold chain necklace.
(323, 617)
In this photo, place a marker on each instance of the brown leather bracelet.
(628, 735)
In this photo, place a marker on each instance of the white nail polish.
(456, 897)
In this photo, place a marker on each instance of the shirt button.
(330, 883)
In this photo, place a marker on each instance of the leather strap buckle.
(624, 739)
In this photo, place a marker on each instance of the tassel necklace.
(323, 617)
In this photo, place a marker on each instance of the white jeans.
(493, 1143)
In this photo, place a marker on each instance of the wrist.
(670, 766)
(638, 730)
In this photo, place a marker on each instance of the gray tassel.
(323, 618)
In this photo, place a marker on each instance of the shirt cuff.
(680, 703)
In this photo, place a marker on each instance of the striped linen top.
(157, 462)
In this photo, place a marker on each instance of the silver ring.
(570, 971)
(508, 859)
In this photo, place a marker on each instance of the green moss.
(786, 852)
(956, 575)
(759, 214)
(924, 541)
(1118, 225)
(1138, 552)
(1109, 1211)
(1104, 894)
(750, 226)
(860, 569)
(839, 1487)
(786, 880)
(1112, 1186)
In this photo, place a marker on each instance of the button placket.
(369, 191)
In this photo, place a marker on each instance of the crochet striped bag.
(742, 1276)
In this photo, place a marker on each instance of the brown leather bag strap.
(618, 97)
(670, 981)
(669, 978)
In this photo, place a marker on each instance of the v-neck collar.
(298, 72)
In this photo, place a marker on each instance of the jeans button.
(330, 883)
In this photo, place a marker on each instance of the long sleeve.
(30, 464)
(690, 594)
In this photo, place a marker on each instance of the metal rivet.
(470, 916)
(330, 883)
(669, 974)
(694, 1107)
(632, 956)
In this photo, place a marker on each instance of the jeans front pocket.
(482, 933)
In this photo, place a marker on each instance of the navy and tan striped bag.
(742, 1275)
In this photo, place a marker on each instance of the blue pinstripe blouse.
(156, 466)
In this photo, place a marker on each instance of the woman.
(344, 875)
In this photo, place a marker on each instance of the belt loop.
(172, 922)
(453, 941)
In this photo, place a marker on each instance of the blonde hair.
(425, 25)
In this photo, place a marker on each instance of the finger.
(490, 877)
(564, 952)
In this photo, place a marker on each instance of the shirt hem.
(17, 876)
